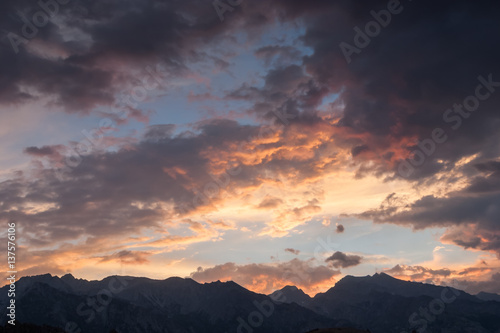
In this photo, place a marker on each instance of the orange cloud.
(480, 277)
(266, 278)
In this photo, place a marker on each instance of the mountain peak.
(38, 278)
(292, 294)
(488, 296)
(179, 279)
(68, 277)
(290, 288)
(377, 278)
(383, 275)
(44, 276)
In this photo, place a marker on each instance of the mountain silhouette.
(126, 304)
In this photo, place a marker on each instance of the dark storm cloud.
(427, 59)
(433, 211)
(72, 86)
(489, 179)
(89, 39)
(288, 95)
(396, 90)
(343, 260)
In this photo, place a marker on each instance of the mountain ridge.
(181, 305)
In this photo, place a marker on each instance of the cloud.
(128, 257)
(290, 218)
(365, 116)
(490, 285)
(156, 133)
(470, 214)
(396, 90)
(343, 260)
(270, 202)
(377, 107)
(474, 279)
(62, 259)
(86, 58)
(161, 183)
(126, 186)
(288, 95)
(266, 278)
(293, 251)
(418, 273)
(379, 114)
(43, 151)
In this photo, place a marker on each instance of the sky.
(266, 142)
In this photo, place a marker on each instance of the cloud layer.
(416, 103)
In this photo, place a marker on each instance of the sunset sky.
(266, 142)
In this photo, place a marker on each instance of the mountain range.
(126, 304)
